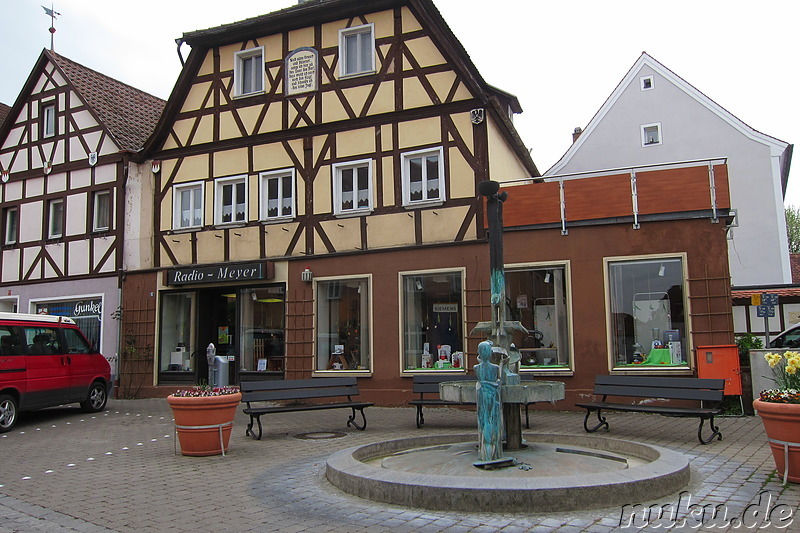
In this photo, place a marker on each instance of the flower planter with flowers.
(779, 409)
(204, 418)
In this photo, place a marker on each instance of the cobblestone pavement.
(65, 471)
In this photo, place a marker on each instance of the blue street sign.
(769, 299)
(766, 311)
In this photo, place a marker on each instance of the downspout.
(179, 42)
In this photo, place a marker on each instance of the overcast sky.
(561, 58)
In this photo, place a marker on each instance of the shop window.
(10, 225)
(648, 319)
(231, 201)
(87, 313)
(651, 134)
(352, 188)
(357, 50)
(433, 317)
(48, 120)
(538, 299)
(188, 206)
(248, 72)
(177, 353)
(262, 311)
(423, 177)
(343, 324)
(277, 195)
(55, 218)
(101, 211)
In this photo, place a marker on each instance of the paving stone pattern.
(66, 471)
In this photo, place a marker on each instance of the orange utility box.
(721, 362)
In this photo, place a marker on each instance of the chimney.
(576, 133)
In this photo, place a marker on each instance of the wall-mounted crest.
(156, 167)
(476, 116)
(5, 175)
(48, 167)
(92, 159)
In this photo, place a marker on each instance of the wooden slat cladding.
(672, 190)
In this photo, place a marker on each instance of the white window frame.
(54, 218)
(406, 172)
(366, 31)
(49, 119)
(338, 194)
(96, 223)
(645, 127)
(278, 175)
(242, 57)
(219, 185)
(643, 82)
(9, 232)
(176, 205)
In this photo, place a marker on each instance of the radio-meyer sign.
(218, 274)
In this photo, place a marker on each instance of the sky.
(561, 58)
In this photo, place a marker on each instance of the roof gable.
(646, 61)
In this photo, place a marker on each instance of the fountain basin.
(524, 393)
(380, 472)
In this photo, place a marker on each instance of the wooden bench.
(294, 390)
(677, 388)
(427, 386)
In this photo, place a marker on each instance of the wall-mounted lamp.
(306, 275)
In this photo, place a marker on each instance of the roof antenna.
(52, 14)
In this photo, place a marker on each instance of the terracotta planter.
(198, 421)
(782, 424)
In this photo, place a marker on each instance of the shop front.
(235, 307)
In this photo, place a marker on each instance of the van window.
(42, 341)
(75, 343)
(9, 341)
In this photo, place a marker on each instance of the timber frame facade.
(65, 159)
(373, 158)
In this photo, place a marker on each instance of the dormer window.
(651, 134)
(357, 50)
(646, 83)
(248, 72)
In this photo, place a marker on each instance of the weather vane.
(53, 14)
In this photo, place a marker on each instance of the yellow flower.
(773, 359)
(791, 370)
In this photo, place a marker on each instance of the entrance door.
(217, 324)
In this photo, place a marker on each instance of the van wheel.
(8, 412)
(96, 400)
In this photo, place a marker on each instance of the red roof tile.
(129, 114)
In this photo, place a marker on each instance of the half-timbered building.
(315, 208)
(71, 197)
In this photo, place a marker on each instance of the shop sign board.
(218, 273)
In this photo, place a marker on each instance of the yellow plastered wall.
(271, 157)
(504, 165)
(332, 108)
(444, 226)
(192, 168)
(180, 246)
(345, 233)
(301, 37)
(323, 194)
(425, 52)
(391, 230)
(389, 180)
(357, 144)
(278, 238)
(230, 163)
(244, 244)
(462, 176)
(409, 21)
(419, 132)
(198, 94)
(272, 120)
(208, 65)
(210, 248)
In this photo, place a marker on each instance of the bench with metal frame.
(657, 387)
(427, 386)
(296, 390)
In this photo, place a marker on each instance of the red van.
(46, 361)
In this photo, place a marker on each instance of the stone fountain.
(543, 472)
